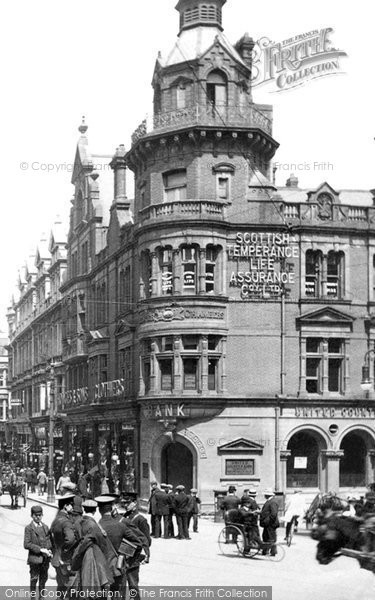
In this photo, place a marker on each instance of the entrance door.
(177, 465)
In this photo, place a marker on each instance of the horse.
(15, 488)
(334, 532)
(324, 502)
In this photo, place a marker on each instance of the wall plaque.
(239, 466)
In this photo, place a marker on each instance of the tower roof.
(195, 13)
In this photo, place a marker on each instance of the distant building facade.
(213, 328)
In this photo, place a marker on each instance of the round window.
(333, 429)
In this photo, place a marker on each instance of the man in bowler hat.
(181, 505)
(269, 521)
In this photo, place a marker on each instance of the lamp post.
(366, 383)
(51, 478)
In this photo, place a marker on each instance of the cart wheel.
(280, 553)
(253, 550)
(231, 541)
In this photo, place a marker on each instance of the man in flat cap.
(152, 506)
(181, 503)
(37, 540)
(194, 508)
(116, 531)
(64, 541)
(171, 497)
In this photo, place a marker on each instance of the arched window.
(217, 92)
(313, 273)
(335, 274)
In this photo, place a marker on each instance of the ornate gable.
(241, 446)
(325, 317)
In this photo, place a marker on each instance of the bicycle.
(293, 527)
(233, 542)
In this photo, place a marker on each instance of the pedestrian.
(152, 506)
(194, 509)
(37, 540)
(90, 558)
(65, 484)
(248, 516)
(171, 498)
(82, 485)
(245, 494)
(133, 563)
(229, 505)
(161, 510)
(42, 482)
(294, 510)
(270, 522)
(64, 539)
(116, 531)
(34, 480)
(181, 508)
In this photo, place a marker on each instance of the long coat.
(36, 538)
(93, 555)
(162, 503)
(64, 539)
(181, 503)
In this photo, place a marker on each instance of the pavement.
(200, 562)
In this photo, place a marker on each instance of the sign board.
(300, 462)
(239, 467)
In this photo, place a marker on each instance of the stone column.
(325, 366)
(154, 274)
(202, 272)
(370, 466)
(204, 364)
(332, 469)
(284, 455)
(176, 272)
(177, 364)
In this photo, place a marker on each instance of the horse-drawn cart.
(15, 485)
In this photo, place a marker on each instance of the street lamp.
(51, 478)
(366, 383)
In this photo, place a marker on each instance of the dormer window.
(217, 92)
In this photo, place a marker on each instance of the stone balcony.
(341, 215)
(251, 116)
(183, 209)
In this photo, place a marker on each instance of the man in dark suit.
(194, 507)
(37, 540)
(269, 520)
(171, 496)
(152, 506)
(133, 517)
(162, 506)
(64, 541)
(181, 504)
(229, 506)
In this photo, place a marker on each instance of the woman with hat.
(37, 540)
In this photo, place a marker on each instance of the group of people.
(166, 503)
(89, 555)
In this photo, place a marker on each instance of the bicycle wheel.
(280, 553)
(231, 541)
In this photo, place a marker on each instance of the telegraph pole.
(51, 477)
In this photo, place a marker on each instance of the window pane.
(190, 342)
(189, 275)
(212, 370)
(334, 346)
(190, 373)
(334, 374)
(166, 374)
(312, 367)
(312, 386)
(213, 341)
(312, 345)
(175, 179)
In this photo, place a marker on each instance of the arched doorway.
(353, 463)
(177, 465)
(303, 464)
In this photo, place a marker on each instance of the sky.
(65, 60)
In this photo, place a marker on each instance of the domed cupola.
(195, 13)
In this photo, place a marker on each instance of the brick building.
(214, 327)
